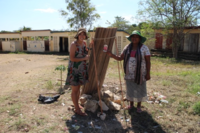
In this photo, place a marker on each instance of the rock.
(124, 99)
(104, 106)
(91, 105)
(70, 108)
(84, 98)
(111, 95)
(113, 106)
(117, 101)
(101, 115)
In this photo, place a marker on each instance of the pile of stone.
(110, 101)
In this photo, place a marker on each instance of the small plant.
(60, 68)
(196, 108)
(49, 85)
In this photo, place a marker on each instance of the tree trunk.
(102, 59)
(175, 44)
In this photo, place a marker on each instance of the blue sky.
(44, 14)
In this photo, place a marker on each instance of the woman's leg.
(131, 103)
(78, 96)
(74, 96)
(139, 104)
(139, 107)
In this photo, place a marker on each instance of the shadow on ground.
(123, 121)
(143, 122)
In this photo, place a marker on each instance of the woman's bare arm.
(148, 66)
(119, 58)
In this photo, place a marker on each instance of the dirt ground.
(25, 76)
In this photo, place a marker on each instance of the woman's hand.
(147, 77)
(109, 53)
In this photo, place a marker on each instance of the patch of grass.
(58, 83)
(38, 121)
(183, 105)
(172, 100)
(166, 83)
(14, 110)
(196, 108)
(17, 52)
(49, 85)
(20, 125)
(185, 73)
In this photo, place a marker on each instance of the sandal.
(79, 112)
(128, 107)
(81, 107)
(139, 110)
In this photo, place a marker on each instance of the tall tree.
(24, 28)
(172, 14)
(80, 13)
(121, 24)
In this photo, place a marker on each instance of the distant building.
(190, 42)
(47, 40)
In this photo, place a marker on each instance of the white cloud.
(102, 12)
(128, 17)
(99, 5)
(48, 10)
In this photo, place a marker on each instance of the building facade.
(49, 41)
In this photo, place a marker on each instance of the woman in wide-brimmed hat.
(136, 58)
(78, 68)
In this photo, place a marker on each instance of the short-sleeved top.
(132, 63)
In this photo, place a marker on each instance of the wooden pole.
(119, 72)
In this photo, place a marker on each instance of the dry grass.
(20, 111)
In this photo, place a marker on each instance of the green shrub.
(196, 108)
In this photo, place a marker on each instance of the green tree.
(4, 31)
(80, 13)
(121, 24)
(172, 14)
(24, 28)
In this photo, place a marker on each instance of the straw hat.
(80, 30)
(135, 32)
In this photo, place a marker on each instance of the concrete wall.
(15, 46)
(10, 35)
(35, 33)
(35, 46)
(5, 46)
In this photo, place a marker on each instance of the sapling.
(60, 68)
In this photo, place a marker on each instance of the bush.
(196, 108)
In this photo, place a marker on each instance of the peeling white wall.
(35, 46)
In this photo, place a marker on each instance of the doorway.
(24, 45)
(66, 45)
(46, 44)
(63, 43)
(1, 46)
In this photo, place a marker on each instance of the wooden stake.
(119, 71)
